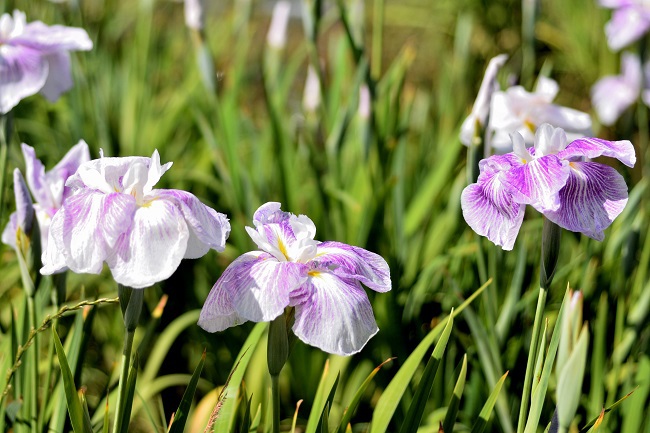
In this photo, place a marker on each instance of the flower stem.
(275, 396)
(31, 308)
(121, 393)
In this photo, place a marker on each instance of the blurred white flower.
(311, 95)
(277, 35)
(194, 17)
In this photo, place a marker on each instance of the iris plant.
(321, 280)
(554, 178)
(114, 215)
(34, 58)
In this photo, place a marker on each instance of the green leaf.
(228, 411)
(452, 409)
(130, 393)
(324, 396)
(484, 416)
(349, 410)
(74, 406)
(178, 425)
(393, 393)
(596, 421)
(419, 401)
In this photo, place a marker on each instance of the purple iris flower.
(612, 95)
(553, 177)
(322, 280)
(114, 215)
(630, 21)
(34, 58)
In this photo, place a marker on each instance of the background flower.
(34, 58)
(630, 21)
(115, 216)
(612, 95)
(322, 280)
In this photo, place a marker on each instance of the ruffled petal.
(354, 263)
(627, 25)
(59, 77)
(490, 210)
(154, 246)
(333, 314)
(49, 39)
(538, 182)
(208, 228)
(86, 229)
(594, 195)
(622, 150)
(23, 73)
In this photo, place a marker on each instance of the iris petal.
(23, 72)
(355, 263)
(490, 210)
(594, 195)
(334, 314)
(622, 150)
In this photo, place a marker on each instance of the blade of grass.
(452, 408)
(186, 401)
(324, 395)
(484, 416)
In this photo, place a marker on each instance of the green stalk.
(275, 396)
(33, 403)
(118, 422)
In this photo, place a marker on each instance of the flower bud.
(277, 351)
(551, 235)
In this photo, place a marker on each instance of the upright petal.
(208, 228)
(153, 247)
(65, 168)
(24, 206)
(35, 176)
(354, 263)
(490, 210)
(23, 73)
(333, 314)
(594, 195)
(622, 150)
(269, 213)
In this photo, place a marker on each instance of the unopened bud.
(551, 235)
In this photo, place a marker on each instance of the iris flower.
(114, 215)
(516, 109)
(34, 58)
(630, 21)
(553, 177)
(20, 222)
(322, 280)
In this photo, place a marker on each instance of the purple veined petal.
(23, 73)
(218, 312)
(153, 247)
(622, 150)
(35, 176)
(49, 39)
(208, 228)
(612, 95)
(490, 210)
(275, 239)
(10, 230)
(594, 195)
(333, 314)
(87, 228)
(354, 263)
(627, 25)
(538, 182)
(481, 107)
(270, 213)
(53, 256)
(65, 168)
(508, 161)
(260, 289)
(59, 77)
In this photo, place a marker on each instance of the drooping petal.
(538, 182)
(9, 232)
(333, 314)
(23, 73)
(354, 263)
(153, 247)
(49, 39)
(59, 77)
(208, 228)
(490, 210)
(594, 195)
(563, 117)
(612, 95)
(86, 229)
(622, 150)
(627, 25)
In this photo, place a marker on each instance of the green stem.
(275, 396)
(34, 361)
(5, 137)
(532, 356)
(118, 422)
